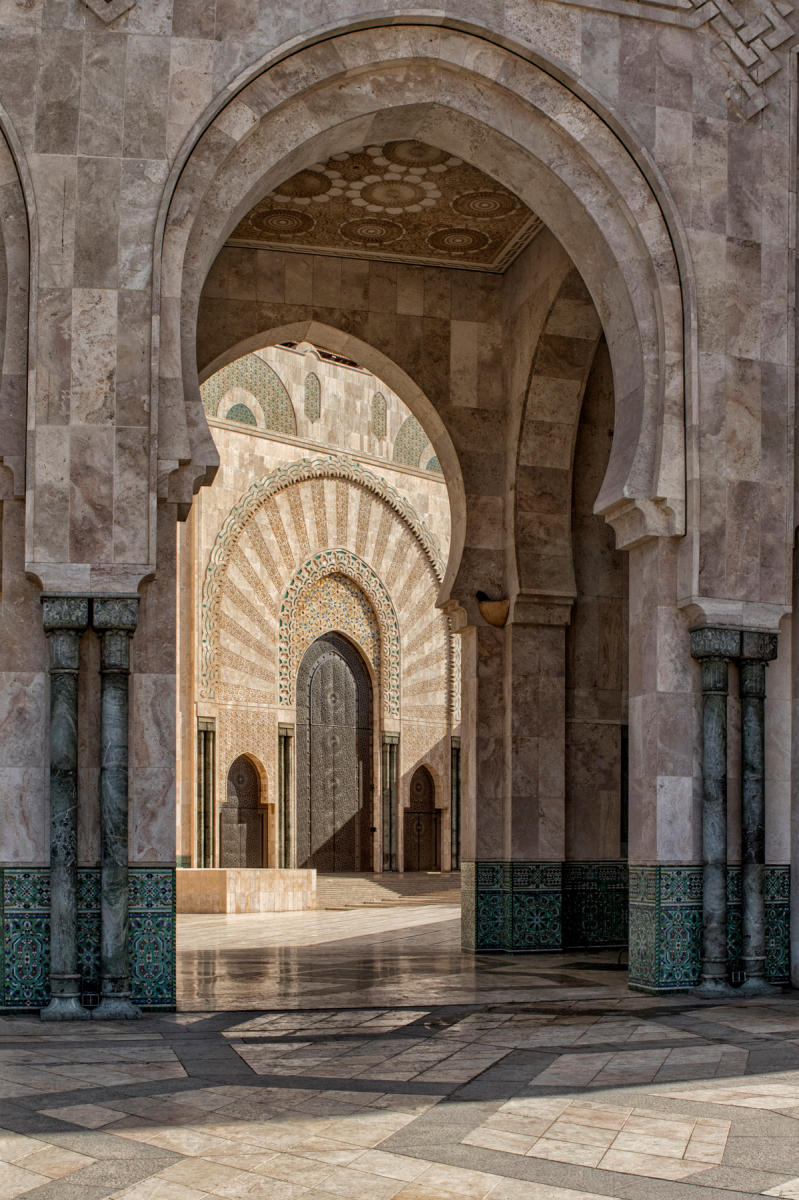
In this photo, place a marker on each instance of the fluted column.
(114, 619)
(65, 619)
(757, 649)
(714, 648)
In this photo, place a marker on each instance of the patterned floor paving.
(537, 1078)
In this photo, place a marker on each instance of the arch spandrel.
(544, 143)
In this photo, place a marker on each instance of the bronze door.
(334, 758)
(240, 819)
(422, 825)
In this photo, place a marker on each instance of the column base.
(716, 989)
(116, 1008)
(759, 987)
(65, 1008)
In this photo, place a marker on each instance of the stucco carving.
(292, 644)
(332, 467)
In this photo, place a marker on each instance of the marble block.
(244, 890)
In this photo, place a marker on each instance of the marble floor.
(359, 1055)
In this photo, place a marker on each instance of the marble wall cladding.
(664, 715)
(406, 313)
(596, 641)
(665, 938)
(25, 929)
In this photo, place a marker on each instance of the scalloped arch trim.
(292, 644)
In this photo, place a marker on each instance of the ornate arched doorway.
(241, 837)
(334, 758)
(422, 840)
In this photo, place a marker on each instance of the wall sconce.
(494, 612)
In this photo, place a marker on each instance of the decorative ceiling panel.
(406, 201)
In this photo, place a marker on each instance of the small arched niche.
(241, 824)
(422, 834)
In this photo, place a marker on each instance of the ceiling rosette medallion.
(405, 200)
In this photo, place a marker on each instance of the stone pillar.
(482, 776)
(714, 647)
(114, 619)
(756, 650)
(65, 619)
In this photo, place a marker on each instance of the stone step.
(350, 890)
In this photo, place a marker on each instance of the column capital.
(715, 641)
(118, 613)
(757, 644)
(65, 613)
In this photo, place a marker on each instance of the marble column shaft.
(65, 619)
(714, 648)
(756, 650)
(115, 620)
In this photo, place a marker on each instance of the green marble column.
(756, 650)
(65, 619)
(714, 647)
(114, 619)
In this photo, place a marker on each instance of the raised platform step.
(351, 890)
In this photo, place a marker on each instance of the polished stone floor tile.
(363, 1057)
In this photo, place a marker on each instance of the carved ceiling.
(406, 201)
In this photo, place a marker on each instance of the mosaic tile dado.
(665, 936)
(513, 906)
(595, 903)
(25, 958)
(540, 906)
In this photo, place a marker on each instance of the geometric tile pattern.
(665, 938)
(253, 375)
(404, 200)
(242, 414)
(512, 906)
(313, 397)
(657, 914)
(25, 957)
(595, 904)
(337, 590)
(378, 415)
(335, 602)
(409, 443)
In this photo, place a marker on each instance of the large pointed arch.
(546, 144)
(320, 333)
(17, 227)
